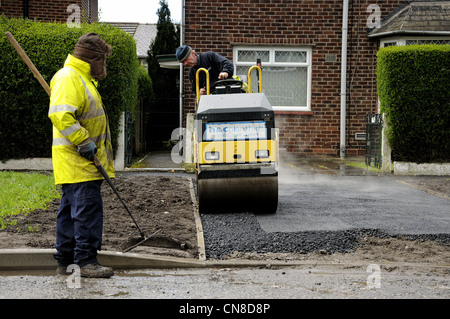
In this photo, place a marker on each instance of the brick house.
(300, 44)
(320, 110)
(49, 11)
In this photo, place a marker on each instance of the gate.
(373, 140)
(128, 138)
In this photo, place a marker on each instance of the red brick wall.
(45, 10)
(220, 25)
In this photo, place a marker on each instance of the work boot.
(96, 271)
(61, 270)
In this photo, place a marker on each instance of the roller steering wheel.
(227, 83)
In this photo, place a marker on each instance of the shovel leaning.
(97, 163)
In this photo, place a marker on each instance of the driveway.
(331, 202)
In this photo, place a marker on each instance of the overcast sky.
(142, 11)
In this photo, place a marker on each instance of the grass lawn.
(21, 193)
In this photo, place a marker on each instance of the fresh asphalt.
(332, 202)
(330, 207)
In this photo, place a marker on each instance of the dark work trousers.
(79, 224)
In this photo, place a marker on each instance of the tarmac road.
(270, 283)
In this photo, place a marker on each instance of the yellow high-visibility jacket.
(77, 113)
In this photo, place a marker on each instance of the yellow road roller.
(235, 148)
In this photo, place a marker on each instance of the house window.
(389, 44)
(411, 42)
(414, 40)
(286, 74)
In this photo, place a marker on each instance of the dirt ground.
(159, 204)
(164, 205)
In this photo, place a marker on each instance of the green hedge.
(145, 87)
(414, 92)
(25, 129)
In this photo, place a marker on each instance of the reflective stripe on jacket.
(77, 113)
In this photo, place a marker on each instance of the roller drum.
(238, 194)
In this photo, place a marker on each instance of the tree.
(166, 42)
(164, 113)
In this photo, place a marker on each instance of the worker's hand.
(87, 150)
(202, 91)
(223, 75)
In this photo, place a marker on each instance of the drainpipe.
(26, 7)
(181, 66)
(343, 77)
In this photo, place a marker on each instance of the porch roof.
(418, 17)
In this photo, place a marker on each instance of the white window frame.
(272, 63)
(402, 40)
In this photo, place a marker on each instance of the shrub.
(25, 129)
(145, 85)
(413, 88)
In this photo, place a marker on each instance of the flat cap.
(183, 52)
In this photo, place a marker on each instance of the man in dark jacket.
(219, 67)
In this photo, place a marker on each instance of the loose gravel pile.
(225, 234)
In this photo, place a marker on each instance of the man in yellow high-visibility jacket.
(80, 130)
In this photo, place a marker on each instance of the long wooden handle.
(28, 62)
